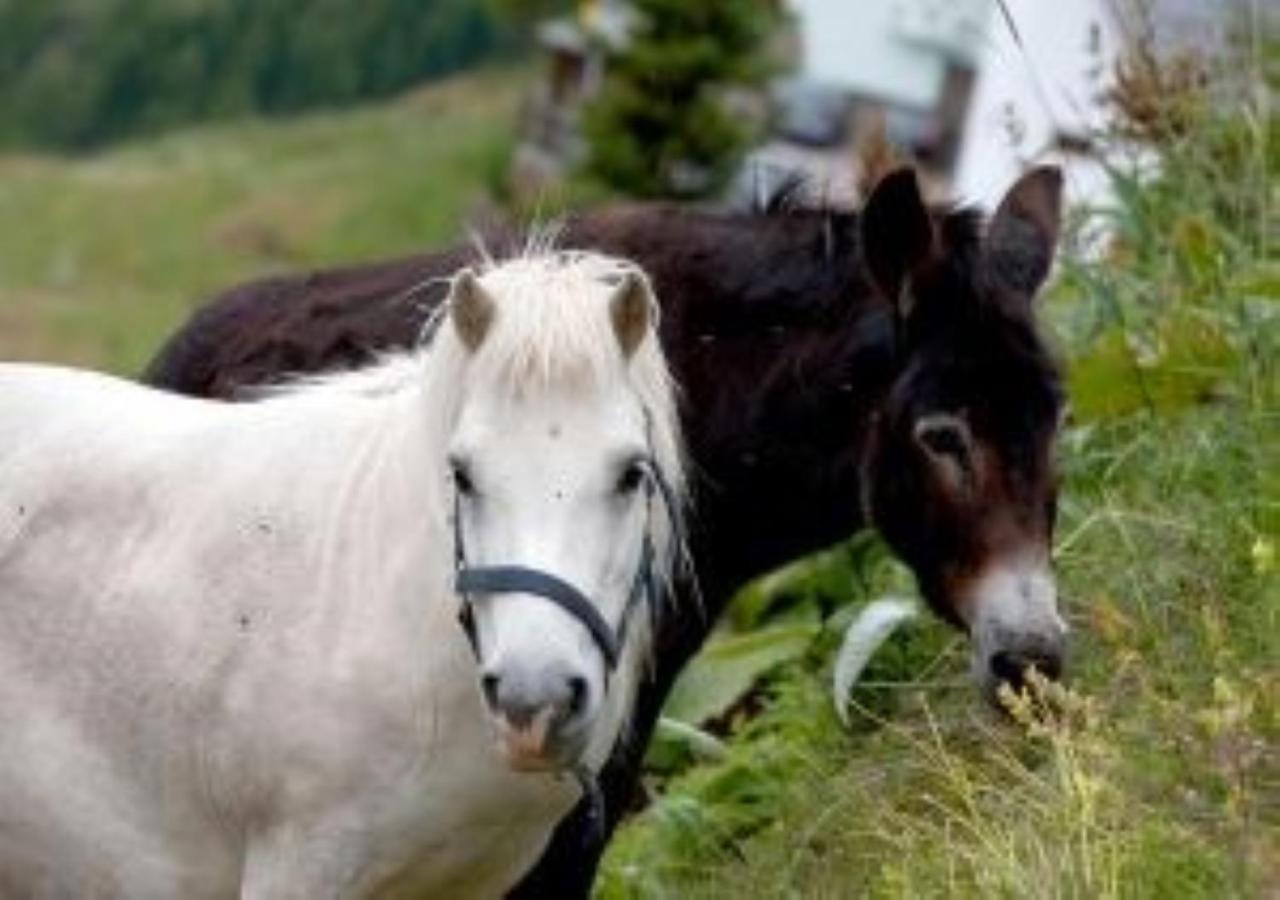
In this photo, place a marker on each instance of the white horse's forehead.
(553, 423)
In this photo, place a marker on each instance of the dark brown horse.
(840, 371)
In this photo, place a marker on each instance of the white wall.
(1050, 83)
(850, 44)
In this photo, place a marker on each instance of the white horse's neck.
(382, 602)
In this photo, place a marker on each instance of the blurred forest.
(80, 73)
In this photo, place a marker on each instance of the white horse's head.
(564, 457)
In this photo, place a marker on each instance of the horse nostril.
(1007, 666)
(1048, 665)
(1012, 666)
(489, 687)
(577, 695)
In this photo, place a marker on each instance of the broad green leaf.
(729, 666)
(871, 629)
(811, 587)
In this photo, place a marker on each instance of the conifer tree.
(661, 126)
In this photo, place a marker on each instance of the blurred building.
(973, 90)
(1045, 71)
(909, 63)
(895, 72)
(1038, 98)
(575, 50)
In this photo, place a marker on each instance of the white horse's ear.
(632, 309)
(471, 309)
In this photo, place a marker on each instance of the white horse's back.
(86, 689)
(171, 618)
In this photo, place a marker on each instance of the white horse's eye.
(633, 475)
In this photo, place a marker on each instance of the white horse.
(230, 657)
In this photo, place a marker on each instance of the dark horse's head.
(959, 473)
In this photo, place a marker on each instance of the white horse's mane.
(552, 330)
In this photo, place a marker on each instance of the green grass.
(101, 258)
(1160, 784)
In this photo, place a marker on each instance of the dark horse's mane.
(790, 352)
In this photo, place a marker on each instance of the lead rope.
(593, 798)
(466, 616)
(644, 585)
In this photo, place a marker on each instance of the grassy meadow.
(102, 256)
(1157, 774)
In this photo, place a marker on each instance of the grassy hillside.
(100, 258)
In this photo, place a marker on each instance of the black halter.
(493, 580)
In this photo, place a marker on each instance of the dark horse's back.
(337, 318)
(300, 324)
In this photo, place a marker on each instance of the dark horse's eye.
(945, 437)
(943, 442)
(632, 477)
(461, 477)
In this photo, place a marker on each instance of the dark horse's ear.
(897, 233)
(1024, 232)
